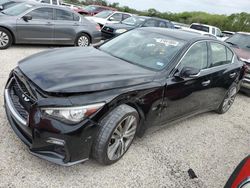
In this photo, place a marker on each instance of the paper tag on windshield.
(167, 42)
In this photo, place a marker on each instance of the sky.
(210, 6)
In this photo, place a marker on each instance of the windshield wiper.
(233, 44)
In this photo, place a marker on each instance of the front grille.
(21, 97)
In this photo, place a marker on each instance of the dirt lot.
(212, 145)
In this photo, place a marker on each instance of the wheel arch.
(84, 32)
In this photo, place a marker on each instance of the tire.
(228, 99)
(82, 40)
(112, 140)
(6, 39)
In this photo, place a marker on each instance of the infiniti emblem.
(26, 99)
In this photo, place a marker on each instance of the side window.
(64, 15)
(218, 33)
(196, 57)
(125, 16)
(213, 31)
(150, 23)
(116, 17)
(229, 55)
(170, 25)
(54, 2)
(45, 1)
(42, 14)
(219, 54)
(162, 24)
(76, 17)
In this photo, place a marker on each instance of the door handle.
(49, 23)
(206, 83)
(232, 75)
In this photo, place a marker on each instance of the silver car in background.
(37, 23)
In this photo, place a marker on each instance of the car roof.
(244, 33)
(37, 5)
(176, 33)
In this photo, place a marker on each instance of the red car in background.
(241, 175)
(92, 10)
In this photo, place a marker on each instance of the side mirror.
(1, 7)
(189, 72)
(111, 18)
(27, 18)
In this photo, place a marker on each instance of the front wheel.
(228, 100)
(82, 40)
(116, 134)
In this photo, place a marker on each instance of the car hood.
(76, 70)
(241, 53)
(120, 26)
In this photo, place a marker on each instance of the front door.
(184, 95)
(37, 30)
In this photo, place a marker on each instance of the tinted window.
(213, 31)
(150, 23)
(125, 16)
(42, 14)
(54, 2)
(218, 33)
(229, 55)
(116, 17)
(45, 1)
(144, 48)
(200, 28)
(219, 55)
(162, 24)
(64, 15)
(170, 25)
(196, 57)
(76, 17)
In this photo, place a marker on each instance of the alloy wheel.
(83, 41)
(122, 137)
(4, 39)
(229, 99)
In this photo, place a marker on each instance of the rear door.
(38, 30)
(66, 26)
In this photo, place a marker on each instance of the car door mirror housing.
(111, 18)
(189, 72)
(27, 18)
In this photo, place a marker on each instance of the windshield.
(134, 21)
(17, 9)
(240, 40)
(148, 49)
(200, 28)
(90, 8)
(104, 14)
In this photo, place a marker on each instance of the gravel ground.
(211, 144)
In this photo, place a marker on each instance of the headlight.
(245, 60)
(72, 114)
(119, 31)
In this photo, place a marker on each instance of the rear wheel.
(5, 39)
(228, 99)
(83, 40)
(116, 134)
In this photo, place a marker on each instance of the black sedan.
(72, 103)
(112, 30)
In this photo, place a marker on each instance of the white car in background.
(109, 17)
(212, 30)
(198, 32)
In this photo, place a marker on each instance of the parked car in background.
(240, 42)
(70, 104)
(228, 33)
(109, 17)
(197, 32)
(212, 30)
(37, 23)
(51, 2)
(73, 7)
(92, 10)
(112, 30)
